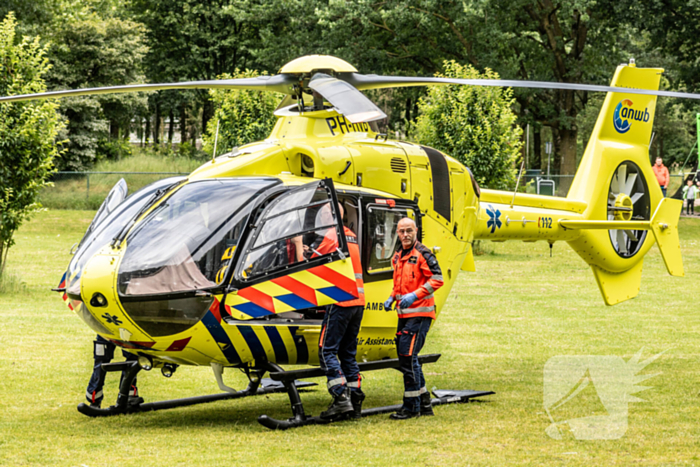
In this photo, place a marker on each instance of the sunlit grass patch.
(11, 282)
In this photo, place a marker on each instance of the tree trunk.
(171, 127)
(567, 139)
(536, 161)
(207, 114)
(183, 124)
(156, 131)
(148, 129)
(113, 130)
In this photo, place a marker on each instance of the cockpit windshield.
(102, 231)
(187, 242)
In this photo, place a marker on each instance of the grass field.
(497, 331)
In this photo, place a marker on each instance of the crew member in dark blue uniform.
(338, 340)
(104, 353)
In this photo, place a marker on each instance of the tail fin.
(616, 181)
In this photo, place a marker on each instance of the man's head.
(659, 161)
(407, 232)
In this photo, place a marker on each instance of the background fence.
(87, 190)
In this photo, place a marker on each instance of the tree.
(94, 52)
(243, 116)
(475, 125)
(28, 132)
(195, 40)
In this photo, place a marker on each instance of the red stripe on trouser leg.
(413, 341)
(320, 339)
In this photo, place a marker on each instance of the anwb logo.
(589, 395)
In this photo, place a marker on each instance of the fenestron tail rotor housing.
(628, 200)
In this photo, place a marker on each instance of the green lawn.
(498, 330)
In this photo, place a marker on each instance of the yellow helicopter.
(209, 269)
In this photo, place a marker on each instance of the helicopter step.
(300, 418)
(257, 387)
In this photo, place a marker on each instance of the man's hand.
(388, 303)
(407, 300)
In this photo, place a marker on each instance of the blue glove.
(407, 300)
(387, 304)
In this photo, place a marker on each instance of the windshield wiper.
(117, 240)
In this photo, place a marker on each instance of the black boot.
(341, 405)
(404, 414)
(357, 397)
(426, 407)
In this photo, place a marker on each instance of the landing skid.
(300, 418)
(294, 422)
(258, 388)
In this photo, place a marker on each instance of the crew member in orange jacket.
(662, 175)
(417, 276)
(341, 325)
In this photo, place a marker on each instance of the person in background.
(689, 195)
(662, 175)
(417, 276)
(104, 353)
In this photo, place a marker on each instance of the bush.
(28, 132)
(113, 150)
(243, 116)
(473, 124)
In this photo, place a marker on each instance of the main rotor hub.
(625, 202)
(311, 63)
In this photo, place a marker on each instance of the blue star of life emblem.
(494, 221)
(112, 319)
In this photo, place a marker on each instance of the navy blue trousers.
(103, 352)
(410, 337)
(338, 348)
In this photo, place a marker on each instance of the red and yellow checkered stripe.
(318, 286)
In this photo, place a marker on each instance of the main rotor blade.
(278, 83)
(365, 82)
(344, 97)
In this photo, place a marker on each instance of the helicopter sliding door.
(295, 258)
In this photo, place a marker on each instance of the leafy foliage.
(28, 132)
(243, 116)
(94, 52)
(475, 125)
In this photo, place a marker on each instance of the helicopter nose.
(99, 295)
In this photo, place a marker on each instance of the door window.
(299, 226)
(382, 222)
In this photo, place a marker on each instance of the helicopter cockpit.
(182, 243)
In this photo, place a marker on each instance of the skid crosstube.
(299, 418)
(123, 407)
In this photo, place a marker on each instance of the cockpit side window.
(296, 227)
(187, 242)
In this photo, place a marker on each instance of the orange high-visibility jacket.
(417, 272)
(329, 244)
(661, 173)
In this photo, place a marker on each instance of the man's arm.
(430, 269)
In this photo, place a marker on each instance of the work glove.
(407, 300)
(387, 304)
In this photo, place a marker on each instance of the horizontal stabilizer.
(618, 287)
(664, 224)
